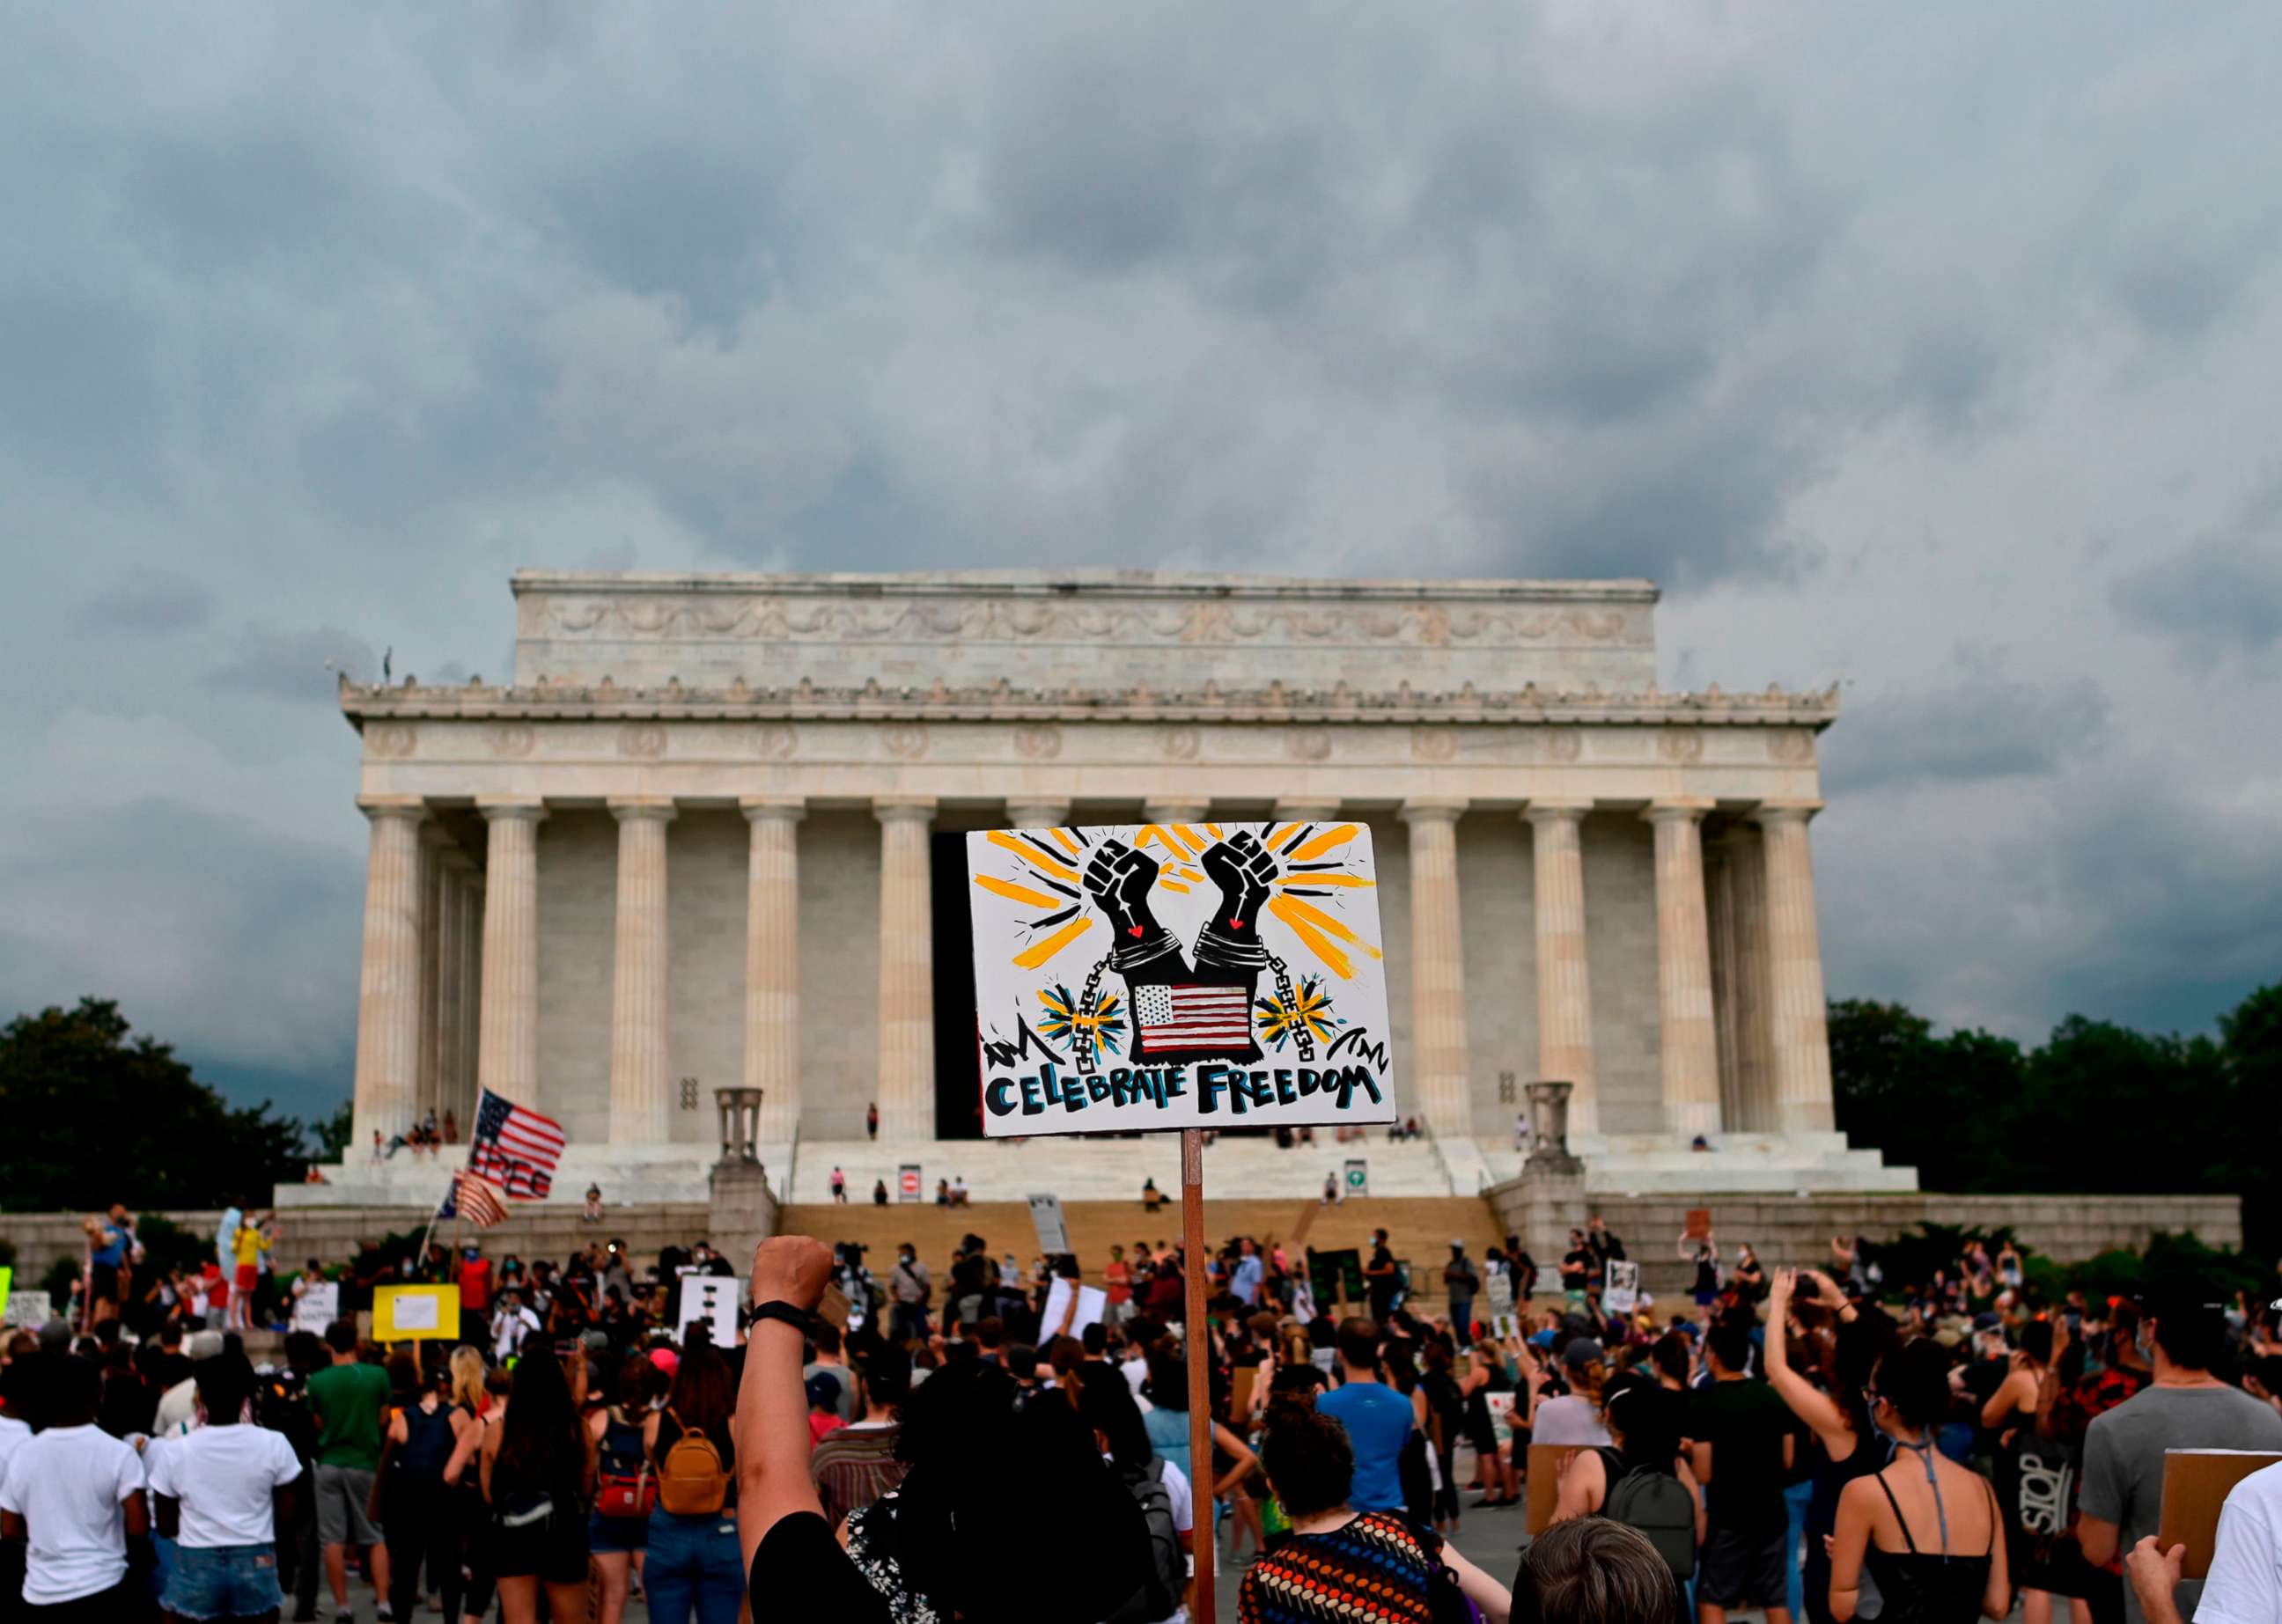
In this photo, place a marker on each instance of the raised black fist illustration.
(1120, 880)
(1243, 868)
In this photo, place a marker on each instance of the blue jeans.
(1795, 1499)
(694, 1567)
(223, 1581)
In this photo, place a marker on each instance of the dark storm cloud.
(1986, 724)
(319, 321)
(300, 666)
(2220, 594)
(155, 603)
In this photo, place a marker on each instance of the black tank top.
(1928, 1587)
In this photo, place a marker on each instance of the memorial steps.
(1419, 1229)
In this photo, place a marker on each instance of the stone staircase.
(1419, 1228)
(1113, 1168)
(1736, 1164)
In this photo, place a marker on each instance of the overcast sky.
(1937, 349)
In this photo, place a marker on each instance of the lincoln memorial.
(707, 834)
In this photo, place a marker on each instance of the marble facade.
(690, 844)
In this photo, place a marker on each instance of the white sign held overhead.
(711, 1297)
(1047, 1217)
(1154, 976)
(1620, 1294)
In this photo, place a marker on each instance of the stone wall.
(1796, 1230)
(335, 1233)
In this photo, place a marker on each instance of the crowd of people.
(956, 1439)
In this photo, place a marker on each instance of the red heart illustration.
(1134, 930)
(1235, 925)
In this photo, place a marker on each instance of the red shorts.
(245, 1275)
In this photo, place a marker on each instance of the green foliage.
(332, 1132)
(7, 1253)
(2097, 1109)
(1911, 1259)
(167, 1245)
(2127, 1274)
(95, 1114)
(57, 1282)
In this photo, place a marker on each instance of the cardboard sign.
(318, 1306)
(2196, 1483)
(1699, 1224)
(907, 1182)
(1061, 1319)
(1620, 1290)
(712, 1298)
(415, 1313)
(1147, 976)
(1046, 1218)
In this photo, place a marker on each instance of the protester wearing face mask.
(2183, 1335)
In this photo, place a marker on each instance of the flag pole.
(1200, 1341)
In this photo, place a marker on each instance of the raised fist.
(1118, 878)
(1243, 868)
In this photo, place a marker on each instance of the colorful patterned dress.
(1375, 1570)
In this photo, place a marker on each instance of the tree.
(95, 1114)
(332, 1132)
(2099, 1109)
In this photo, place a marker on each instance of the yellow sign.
(415, 1313)
(7, 1280)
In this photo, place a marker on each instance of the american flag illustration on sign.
(1179, 975)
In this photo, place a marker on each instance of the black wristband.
(777, 1308)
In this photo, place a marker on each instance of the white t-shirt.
(13, 1435)
(178, 1409)
(1569, 1420)
(68, 1483)
(2244, 1586)
(224, 1477)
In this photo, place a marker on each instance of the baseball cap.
(1580, 1352)
(821, 1390)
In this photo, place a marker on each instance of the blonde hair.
(468, 1373)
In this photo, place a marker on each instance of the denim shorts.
(223, 1581)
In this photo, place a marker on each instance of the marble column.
(388, 991)
(471, 997)
(1564, 983)
(428, 1085)
(1747, 886)
(640, 1030)
(506, 1059)
(1798, 1035)
(906, 1007)
(1440, 1057)
(1038, 813)
(772, 962)
(443, 1038)
(1687, 1036)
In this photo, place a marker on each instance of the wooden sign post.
(1180, 977)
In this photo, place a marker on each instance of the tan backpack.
(691, 1480)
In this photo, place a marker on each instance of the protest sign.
(2196, 1483)
(1046, 1218)
(1502, 1325)
(7, 1280)
(317, 1307)
(29, 1309)
(1061, 1318)
(1336, 1274)
(1499, 1289)
(907, 1182)
(1621, 1291)
(415, 1313)
(1698, 1225)
(1153, 976)
(712, 1298)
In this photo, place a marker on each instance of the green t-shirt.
(350, 1401)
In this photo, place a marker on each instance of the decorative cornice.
(366, 704)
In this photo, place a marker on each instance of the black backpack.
(1169, 1568)
(1658, 1505)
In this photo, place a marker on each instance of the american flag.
(514, 1147)
(1184, 1017)
(469, 1198)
